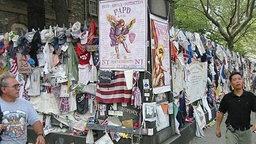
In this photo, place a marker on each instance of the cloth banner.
(196, 82)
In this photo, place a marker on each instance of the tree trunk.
(61, 11)
(36, 14)
(230, 45)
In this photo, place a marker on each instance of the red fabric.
(92, 32)
(83, 55)
(174, 52)
(81, 50)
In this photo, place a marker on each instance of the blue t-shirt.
(16, 116)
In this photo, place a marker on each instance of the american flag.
(115, 91)
(13, 67)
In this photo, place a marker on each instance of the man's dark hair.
(234, 73)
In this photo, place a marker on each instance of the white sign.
(123, 34)
(196, 81)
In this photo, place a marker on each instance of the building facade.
(14, 13)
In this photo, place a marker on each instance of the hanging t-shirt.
(48, 57)
(82, 53)
(83, 74)
(34, 83)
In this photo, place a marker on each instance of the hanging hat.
(84, 37)
(42, 34)
(15, 40)
(46, 35)
(61, 37)
(29, 36)
(55, 43)
(12, 34)
(76, 30)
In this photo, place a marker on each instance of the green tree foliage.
(246, 46)
(227, 22)
(189, 18)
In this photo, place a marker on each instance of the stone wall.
(15, 12)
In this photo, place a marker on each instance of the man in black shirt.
(238, 104)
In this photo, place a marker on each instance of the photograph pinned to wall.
(102, 108)
(123, 34)
(160, 54)
(149, 111)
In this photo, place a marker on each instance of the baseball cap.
(76, 30)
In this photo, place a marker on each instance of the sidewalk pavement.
(210, 137)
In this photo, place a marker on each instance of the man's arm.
(219, 119)
(254, 110)
(38, 128)
(254, 126)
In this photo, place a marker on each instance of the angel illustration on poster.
(123, 40)
(158, 58)
(118, 33)
(160, 54)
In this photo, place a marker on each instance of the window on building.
(93, 7)
(69, 4)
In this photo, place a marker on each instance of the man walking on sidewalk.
(238, 104)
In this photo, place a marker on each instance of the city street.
(210, 137)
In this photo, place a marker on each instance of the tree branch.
(246, 29)
(249, 17)
(236, 19)
(215, 22)
(191, 7)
